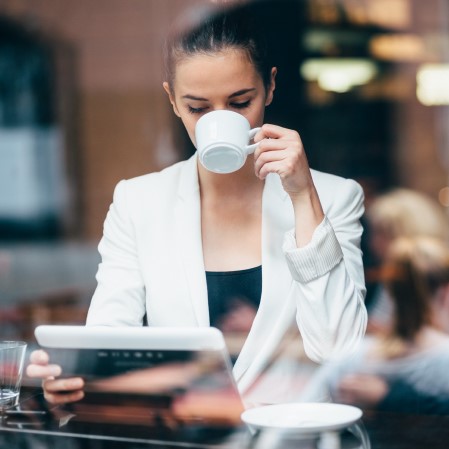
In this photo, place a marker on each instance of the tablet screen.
(176, 384)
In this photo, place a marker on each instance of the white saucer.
(307, 417)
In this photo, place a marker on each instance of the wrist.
(309, 215)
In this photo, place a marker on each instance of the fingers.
(56, 391)
(59, 399)
(271, 146)
(43, 371)
(282, 164)
(264, 158)
(63, 385)
(39, 357)
(40, 367)
(62, 391)
(269, 131)
(279, 151)
(284, 161)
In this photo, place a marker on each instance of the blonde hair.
(404, 212)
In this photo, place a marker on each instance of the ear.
(272, 86)
(167, 89)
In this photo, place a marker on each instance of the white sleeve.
(323, 383)
(119, 299)
(329, 279)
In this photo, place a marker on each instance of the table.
(36, 425)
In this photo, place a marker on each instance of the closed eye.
(243, 105)
(196, 110)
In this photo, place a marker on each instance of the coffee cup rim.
(221, 111)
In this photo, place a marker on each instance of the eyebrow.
(235, 94)
(241, 92)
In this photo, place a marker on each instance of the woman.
(405, 367)
(399, 213)
(295, 231)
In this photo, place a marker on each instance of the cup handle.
(251, 148)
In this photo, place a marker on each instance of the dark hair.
(418, 267)
(230, 29)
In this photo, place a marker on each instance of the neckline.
(234, 272)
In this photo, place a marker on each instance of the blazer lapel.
(188, 235)
(277, 307)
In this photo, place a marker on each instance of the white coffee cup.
(222, 140)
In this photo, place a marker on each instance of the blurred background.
(365, 82)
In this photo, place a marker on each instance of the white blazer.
(152, 263)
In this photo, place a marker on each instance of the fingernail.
(41, 356)
(55, 370)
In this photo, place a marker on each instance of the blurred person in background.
(402, 368)
(399, 213)
(179, 246)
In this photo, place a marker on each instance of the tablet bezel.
(150, 338)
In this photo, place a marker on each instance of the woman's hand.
(281, 151)
(56, 391)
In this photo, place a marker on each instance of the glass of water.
(12, 359)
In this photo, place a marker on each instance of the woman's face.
(225, 80)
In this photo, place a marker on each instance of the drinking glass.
(12, 358)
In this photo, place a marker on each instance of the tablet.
(147, 376)
(151, 338)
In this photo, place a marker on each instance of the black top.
(226, 289)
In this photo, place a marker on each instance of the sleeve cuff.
(316, 258)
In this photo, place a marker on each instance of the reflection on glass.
(433, 84)
(352, 437)
(32, 185)
(146, 393)
(402, 368)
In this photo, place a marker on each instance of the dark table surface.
(36, 425)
